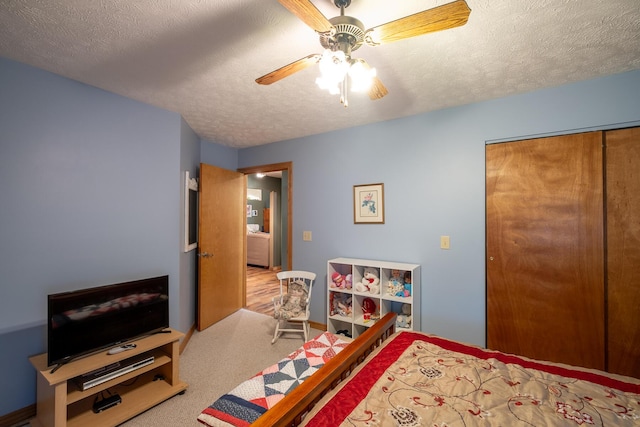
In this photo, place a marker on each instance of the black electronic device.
(87, 320)
(108, 402)
(114, 370)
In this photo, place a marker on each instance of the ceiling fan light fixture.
(338, 73)
(334, 66)
(361, 76)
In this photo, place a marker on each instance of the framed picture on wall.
(254, 194)
(368, 204)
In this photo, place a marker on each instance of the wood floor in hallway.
(262, 286)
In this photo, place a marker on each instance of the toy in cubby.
(407, 284)
(369, 310)
(403, 321)
(399, 284)
(370, 281)
(395, 284)
(341, 281)
(341, 304)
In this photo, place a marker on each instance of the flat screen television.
(87, 320)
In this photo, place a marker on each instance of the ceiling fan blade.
(309, 14)
(377, 90)
(443, 17)
(289, 69)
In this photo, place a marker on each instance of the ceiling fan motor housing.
(349, 35)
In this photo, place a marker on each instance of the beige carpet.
(218, 359)
(215, 361)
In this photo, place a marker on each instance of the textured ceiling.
(200, 58)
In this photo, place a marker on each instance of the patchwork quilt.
(245, 403)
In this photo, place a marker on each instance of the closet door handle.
(205, 255)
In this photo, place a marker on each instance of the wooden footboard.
(290, 410)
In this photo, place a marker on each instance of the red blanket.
(422, 380)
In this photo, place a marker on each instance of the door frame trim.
(273, 167)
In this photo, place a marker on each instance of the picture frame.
(254, 194)
(190, 213)
(368, 204)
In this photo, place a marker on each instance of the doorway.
(261, 283)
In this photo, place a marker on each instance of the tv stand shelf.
(61, 402)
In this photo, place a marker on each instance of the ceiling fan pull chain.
(344, 91)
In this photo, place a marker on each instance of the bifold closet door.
(623, 250)
(545, 256)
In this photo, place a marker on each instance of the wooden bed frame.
(292, 408)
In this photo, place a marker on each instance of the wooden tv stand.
(62, 403)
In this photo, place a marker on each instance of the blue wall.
(91, 188)
(91, 185)
(433, 169)
(219, 155)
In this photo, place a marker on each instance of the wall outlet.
(306, 236)
(444, 242)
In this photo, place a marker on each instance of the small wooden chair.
(286, 322)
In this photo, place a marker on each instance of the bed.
(415, 379)
(258, 244)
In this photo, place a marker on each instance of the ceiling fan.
(342, 35)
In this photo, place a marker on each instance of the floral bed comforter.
(244, 404)
(421, 380)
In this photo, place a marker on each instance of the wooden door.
(623, 250)
(221, 244)
(545, 257)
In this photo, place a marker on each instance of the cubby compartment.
(395, 284)
(340, 327)
(340, 277)
(341, 305)
(359, 329)
(366, 309)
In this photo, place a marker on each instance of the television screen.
(87, 320)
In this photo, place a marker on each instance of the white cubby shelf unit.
(349, 315)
